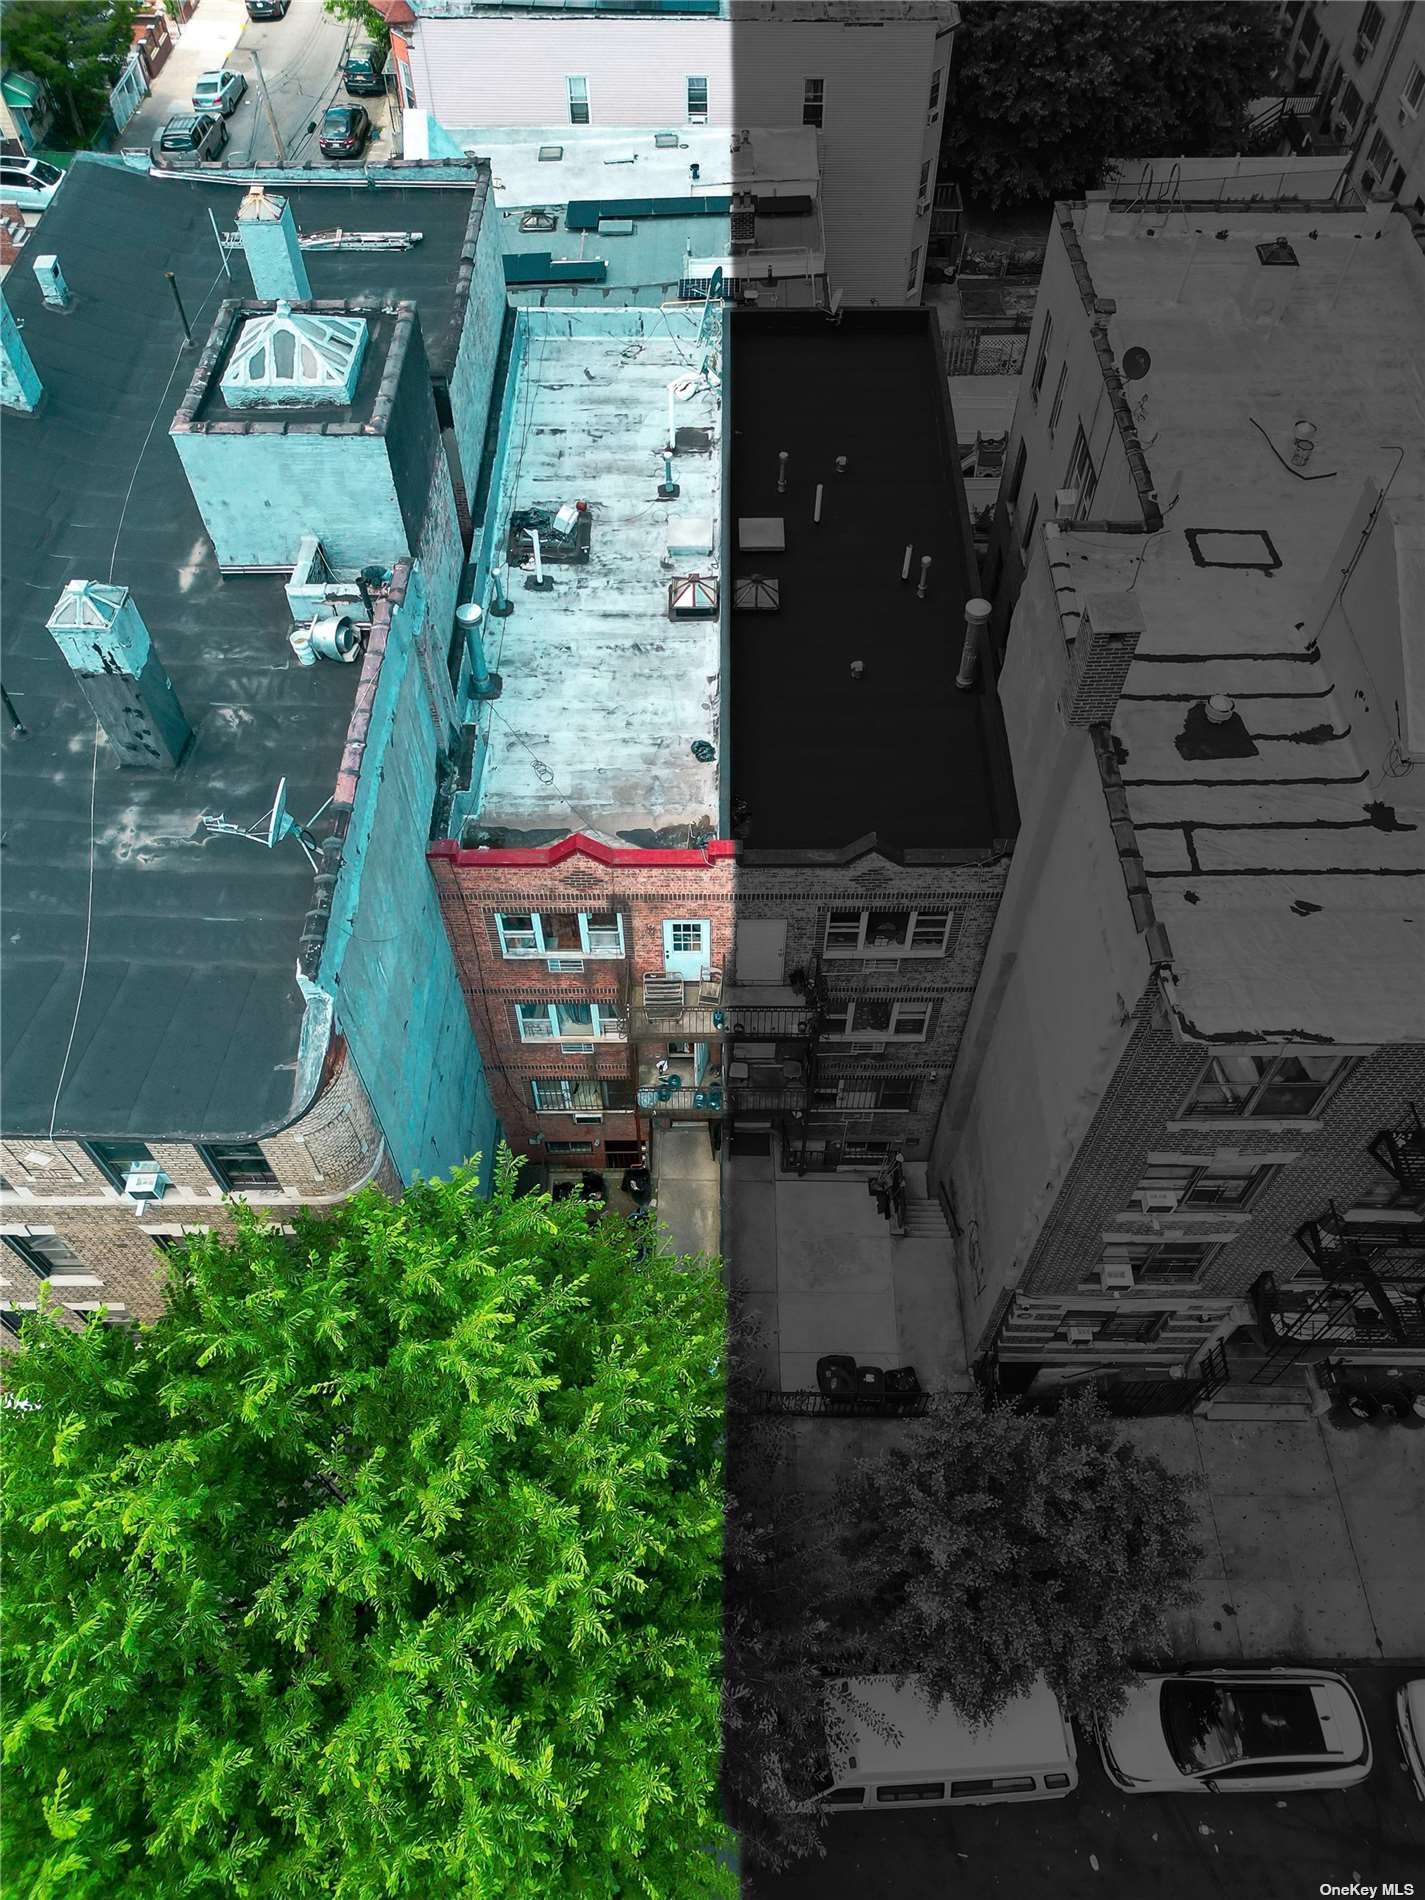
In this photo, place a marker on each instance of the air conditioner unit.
(1080, 1335)
(146, 1183)
(564, 965)
(1066, 503)
(1362, 51)
(1115, 1276)
(922, 206)
(1157, 1200)
(576, 1048)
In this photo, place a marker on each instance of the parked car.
(267, 9)
(1410, 1730)
(363, 72)
(345, 131)
(189, 139)
(29, 182)
(219, 93)
(1237, 1731)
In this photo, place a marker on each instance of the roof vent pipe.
(51, 282)
(1220, 708)
(272, 247)
(977, 620)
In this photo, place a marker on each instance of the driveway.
(1101, 1845)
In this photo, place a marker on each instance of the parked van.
(939, 1760)
(364, 73)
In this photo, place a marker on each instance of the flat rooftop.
(1285, 853)
(821, 759)
(628, 163)
(182, 1018)
(604, 695)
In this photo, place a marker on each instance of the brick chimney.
(20, 385)
(101, 633)
(270, 243)
(1103, 650)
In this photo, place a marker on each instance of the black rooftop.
(820, 759)
(188, 1011)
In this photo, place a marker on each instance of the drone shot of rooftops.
(712, 948)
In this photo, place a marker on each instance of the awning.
(19, 89)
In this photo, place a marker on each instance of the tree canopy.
(77, 47)
(385, 1563)
(995, 1547)
(1042, 94)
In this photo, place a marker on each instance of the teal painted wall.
(472, 381)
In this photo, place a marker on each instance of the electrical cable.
(88, 935)
(1325, 476)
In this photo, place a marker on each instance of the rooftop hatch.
(286, 357)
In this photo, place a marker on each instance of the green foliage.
(993, 1547)
(386, 1563)
(1043, 94)
(77, 47)
(368, 22)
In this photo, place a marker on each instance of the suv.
(28, 182)
(364, 71)
(267, 9)
(189, 139)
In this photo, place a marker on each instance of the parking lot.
(1099, 1842)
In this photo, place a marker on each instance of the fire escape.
(771, 1065)
(1370, 1260)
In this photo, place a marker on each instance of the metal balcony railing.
(1400, 1150)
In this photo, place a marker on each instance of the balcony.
(670, 1089)
(1376, 1307)
(1391, 1237)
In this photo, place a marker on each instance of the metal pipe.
(182, 313)
(18, 724)
(977, 619)
(924, 586)
(905, 564)
(816, 505)
(782, 460)
(538, 558)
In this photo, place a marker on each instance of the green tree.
(368, 22)
(77, 47)
(1043, 94)
(387, 1562)
(991, 1547)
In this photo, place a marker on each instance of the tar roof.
(629, 164)
(185, 1015)
(821, 759)
(604, 696)
(1285, 852)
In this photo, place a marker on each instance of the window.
(1041, 361)
(1310, 34)
(568, 1147)
(813, 101)
(877, 1019)
(1166, 1263)
(1081, 476)
(912, 1791)
(408, 90)
(1058, 405)
(45, 1254)
(1205, 1184)
(913, 274)
(999, 1784)
(591, 933)
(854, 933)
(891, 1094)
(1116, 1325)
(845, 1798)
(697, 98)
(1276, 1084)
(578, 100)
(1414, 91)
(925, 180)
(12, 1320)
(932, 111)
(1349, 110)
(115, 1158)
(579, 1095)
(1030, 523)
(566, 1022)
(237, 1166)
(1380, 158)
(1016, 480)
(1372, 20)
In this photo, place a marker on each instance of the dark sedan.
(267, 9)
(345, 132)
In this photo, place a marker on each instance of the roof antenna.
(277, 825)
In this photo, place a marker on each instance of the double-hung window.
(1168, 1262)
(1200, 1184)
(45, 1254)
(578, 99)
(932, 111)
(1041, 361)
(1081, 477)
(1117, 1325)
(1271, 1084)
(585, 933)
(567, 1022)
(813, 101)
(878, 1019)
(1350, 106)
(115, 1158)
(891, 1094)
(1369, 26)
(238, 1166)
(697, 98)
(888, 933)
(1058, 405)
(1413, 92)
(913, 273)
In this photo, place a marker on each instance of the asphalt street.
(1103, 1844)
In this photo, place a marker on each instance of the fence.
(818, 1405)
(987, 350)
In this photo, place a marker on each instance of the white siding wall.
(512, 71)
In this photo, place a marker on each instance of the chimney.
(1103, 649)
(274, 255)
(100, 632)
(20, 386)
(51, 281)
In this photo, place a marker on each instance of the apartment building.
(1183, 1140)
(1359, 76)
(232, 699)
(868, 77)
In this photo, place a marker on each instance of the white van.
(939, 1760)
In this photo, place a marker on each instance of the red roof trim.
(577, 845)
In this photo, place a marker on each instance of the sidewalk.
(206, 41)
(686, 1190)
(1314, 1538)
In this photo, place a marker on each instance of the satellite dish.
(1136, 364)
(715, 284)
(279, 824)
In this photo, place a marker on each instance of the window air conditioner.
(146, 1183)
(1157, 1200)
(563, 965)
(1362, 50)
(922, 206)
(1115, 1276)
(1080, 1335)
(1066, 503)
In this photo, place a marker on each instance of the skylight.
(289, 357)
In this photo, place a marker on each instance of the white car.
(28, 182)
(219, 92)
(1236, 1731)
(1410, 1730)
